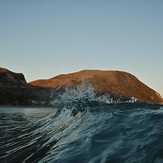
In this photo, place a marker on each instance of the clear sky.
(44, 38)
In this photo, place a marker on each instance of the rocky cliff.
(14, 90)
(117, 83)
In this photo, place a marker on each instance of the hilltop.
(117, 83)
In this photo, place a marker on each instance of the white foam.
(83, 92)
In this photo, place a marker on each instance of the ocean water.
(126, 132)
(80, 128)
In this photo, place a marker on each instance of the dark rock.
(14, 90)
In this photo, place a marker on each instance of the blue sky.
(44, 38)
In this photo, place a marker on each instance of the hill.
(117, 83)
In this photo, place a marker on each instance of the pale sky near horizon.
(44, 38)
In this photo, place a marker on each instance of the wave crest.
(83, 93)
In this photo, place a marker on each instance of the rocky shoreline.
(15, 91)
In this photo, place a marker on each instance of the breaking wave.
(84, 93)
(82, 127)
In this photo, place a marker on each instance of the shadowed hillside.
(14, 90)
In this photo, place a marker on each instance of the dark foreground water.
(93, 133)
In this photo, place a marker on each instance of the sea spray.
(84, 93)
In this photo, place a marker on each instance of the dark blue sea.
(89, 132)
(81, 127)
